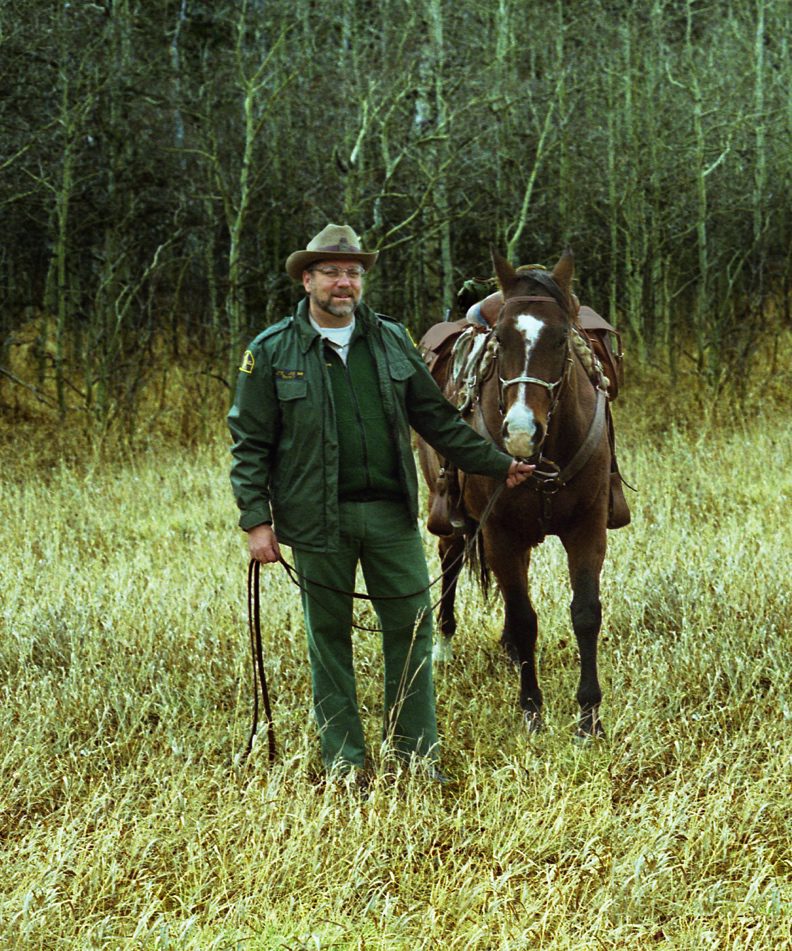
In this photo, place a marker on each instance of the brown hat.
(338, 242)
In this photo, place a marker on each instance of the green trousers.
(382, 539)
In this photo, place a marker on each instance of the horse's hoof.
(533, 722)
(589, 730)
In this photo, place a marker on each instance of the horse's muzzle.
(523, 442)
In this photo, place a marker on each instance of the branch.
(13, 158)
(125, 298)
(381, 246)
(36, 392)
(717, 161)
(13, 198)
(519, 226)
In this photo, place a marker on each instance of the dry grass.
(125, 695)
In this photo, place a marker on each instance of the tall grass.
(126, 695)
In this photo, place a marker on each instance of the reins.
(259, 676)
(254, 622)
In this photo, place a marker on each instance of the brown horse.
(533, 397)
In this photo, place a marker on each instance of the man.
(323, 462)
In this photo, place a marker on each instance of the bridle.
(554, 388)
(548, 477)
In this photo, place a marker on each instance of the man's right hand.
(263, 545)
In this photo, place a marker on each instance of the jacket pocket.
(291, 389)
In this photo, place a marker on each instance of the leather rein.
(254, 624)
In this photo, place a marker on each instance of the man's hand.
(263, 545)
(518, 472)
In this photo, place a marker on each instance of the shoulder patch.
(248, 362)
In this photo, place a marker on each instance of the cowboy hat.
(338, 242)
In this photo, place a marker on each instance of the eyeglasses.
(334, 273)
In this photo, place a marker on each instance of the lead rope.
(254, 624)
(295, 577)
(259, 676)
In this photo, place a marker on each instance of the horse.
(531, 391)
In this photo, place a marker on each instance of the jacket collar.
(364, 321)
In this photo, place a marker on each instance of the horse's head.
(532, 335)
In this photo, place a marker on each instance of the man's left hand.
(518, 472)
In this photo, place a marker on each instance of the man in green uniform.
(323, 463)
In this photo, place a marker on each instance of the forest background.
(158, 162)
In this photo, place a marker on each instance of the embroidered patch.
(289, 374)
(247, 362)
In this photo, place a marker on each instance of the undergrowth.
(126, 820)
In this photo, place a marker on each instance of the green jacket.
(285, 450)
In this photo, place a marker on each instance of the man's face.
(334, 295)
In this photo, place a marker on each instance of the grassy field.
(126, 694)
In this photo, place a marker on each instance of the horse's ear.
(564, 271)
(503, 270)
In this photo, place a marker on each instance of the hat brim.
(297, 262)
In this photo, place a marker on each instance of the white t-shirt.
(337, 337)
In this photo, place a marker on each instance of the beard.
(338, 307)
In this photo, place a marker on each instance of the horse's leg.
(451, 550)
(510, 566)
(586, 554)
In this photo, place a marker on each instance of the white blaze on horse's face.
(520, 426)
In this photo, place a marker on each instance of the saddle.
(436, 346)
(602, 336)
(451, 351)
